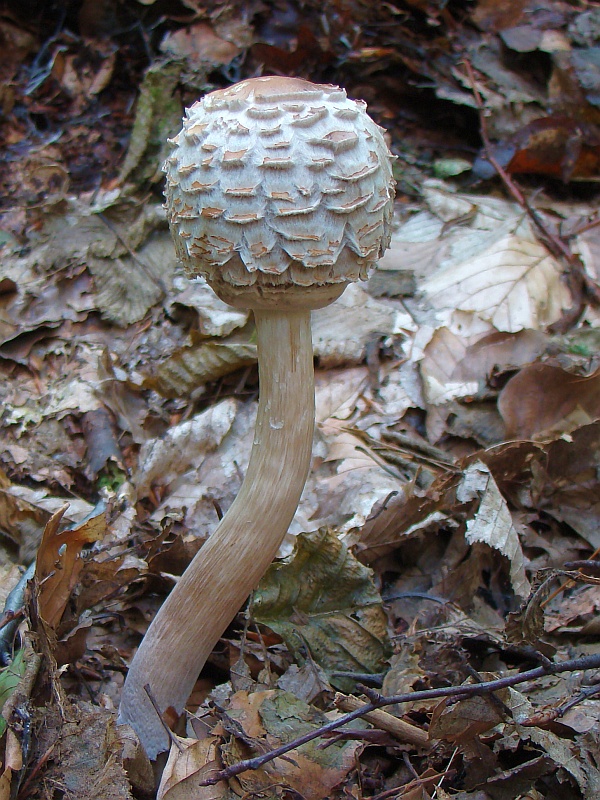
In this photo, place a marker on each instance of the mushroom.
(279, 192)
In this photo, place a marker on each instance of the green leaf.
(9, 680)
(322, 600)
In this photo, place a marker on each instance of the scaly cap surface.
(278, 181)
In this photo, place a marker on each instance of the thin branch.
(570, 583)
(378, 701)
(584, 694)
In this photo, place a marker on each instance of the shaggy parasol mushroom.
(279, 192)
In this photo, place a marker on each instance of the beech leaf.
(324, 600)
(492, 524)
(514, 284)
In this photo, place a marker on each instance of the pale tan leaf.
(341, 331)
(514, 284)
(439, 369)
(337, 391)
(199, 44)
(588, 246)
(416, 246)
(190, 762)
(492, 523)
(130, 281)
(124, 291)
(215, 317)
(184, 446)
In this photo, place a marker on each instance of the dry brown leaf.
(542, 400)
(578, 758)
(465, 719)
(59, 562)
(84, 80)
(86, 754)
(12, 762)
(573, 611)
(276, 717)
(190, 762)
(307, 682)
(199, 44)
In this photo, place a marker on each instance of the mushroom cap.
(278, 182)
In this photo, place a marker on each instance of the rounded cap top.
(279, 182)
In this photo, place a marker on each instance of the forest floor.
(450, 521)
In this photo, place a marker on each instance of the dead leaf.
(492, 523)
(306, 683)
(127, 286)
(460, 363)
(59, 562)
(86, 74)
(199, 45)
(465, 719)
(186, 370)
(276, 717)
(190, 762)
(324, 600)
(86, 753)
(157, 117)
(215, 318)
(340, 331)
(514, 284)
(577, 758)
(184, 447)
(542, 400)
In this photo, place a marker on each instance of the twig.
(447, 772)
(171, 735)
(374, 678)
(587, 566)
(424, 782)
(378, 701)
(584, 694)
(568, 584)
(402, 730)
(543, 717)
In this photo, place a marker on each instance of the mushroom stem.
(230, 564)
